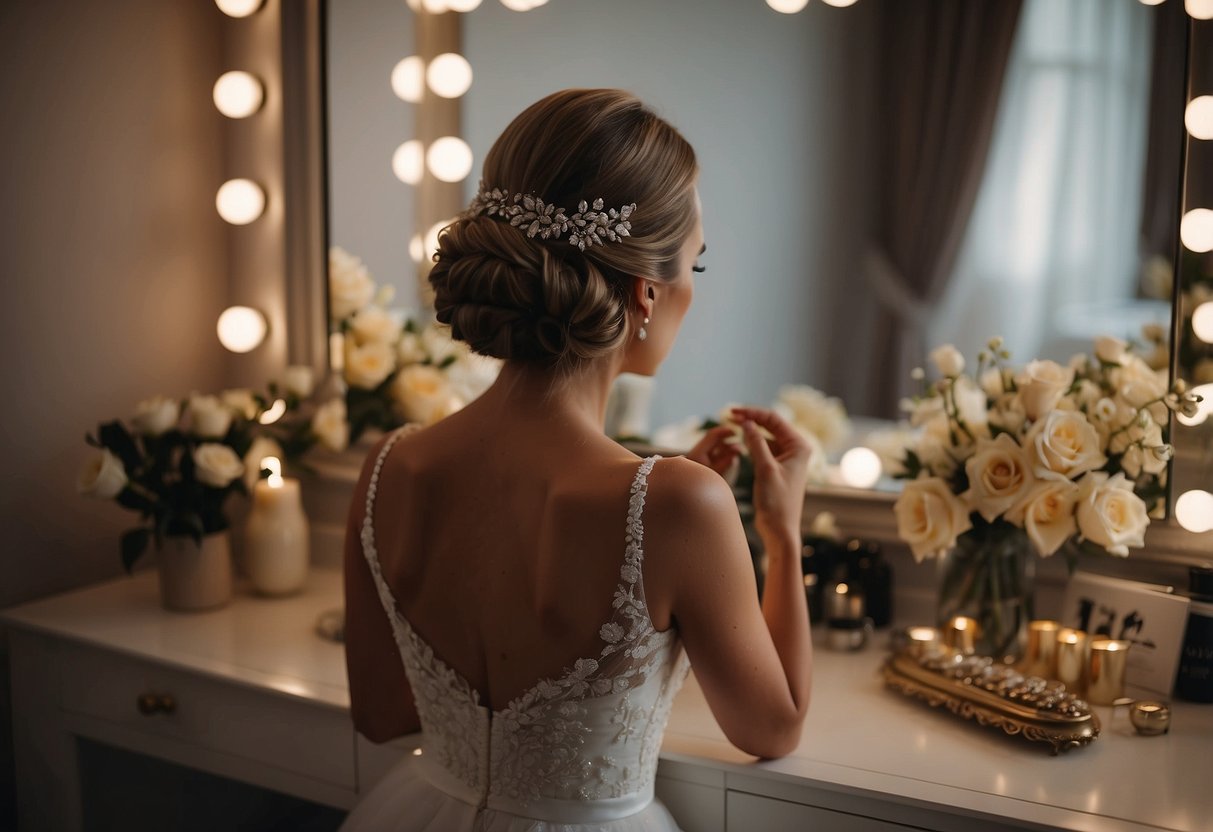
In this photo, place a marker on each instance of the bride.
(520, 588)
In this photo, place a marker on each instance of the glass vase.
(989, 576)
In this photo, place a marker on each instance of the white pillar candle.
(276, 535)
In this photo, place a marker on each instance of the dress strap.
(633, 556)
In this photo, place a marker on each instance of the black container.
(869, 571)
(1194, 681)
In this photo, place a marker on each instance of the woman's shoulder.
(684, 494)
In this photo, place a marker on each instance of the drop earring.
(643, 333)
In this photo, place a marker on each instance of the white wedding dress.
(576, 753)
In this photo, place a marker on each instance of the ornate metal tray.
(997, 695)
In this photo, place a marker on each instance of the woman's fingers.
(785, 436)
(714, 450)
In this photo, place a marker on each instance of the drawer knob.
(150, 704)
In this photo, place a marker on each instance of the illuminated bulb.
(431, 238)
(241, 328)
(1204, 409)
(842, 4)
(435, 6)
(1196, 229)
(238, 8)
(408, 162)
(274, 466)
(449, 75)
(1202, 322)
(238, 94)
(408, 79)
(462, 5)
(1151, 2)
(518, 5)
(1200, 9)
(787, 6)
(1198, 117)
(449, 159)
(240, 201)
(417, 248)
(860, 467)
(1194, 510)
(274, 413)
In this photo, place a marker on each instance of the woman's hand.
(715, 450)
(781, 466)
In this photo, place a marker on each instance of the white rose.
(410, 350)
(1041, 386)
(819, 462)
(440, 346)
(993, 382)
(422, 394)
(1086, 394)
(1137, 384)
(471, 375)
(217, 465)
(240, 402)
(930, 517)
(330, 425)
(350, 285)
(1008, 413)
(209, 418)
(372, 324)
(1000, 473)
(103, 476)
(1046, 513)
(368, 365)
(971, 405)
(260, 448)
(298, 380)
(948, 360)
(679, 436)
(891, 444)
(156, 415)
(813, 412)
(1110, 514)
(1064, 445)
(1110, 350)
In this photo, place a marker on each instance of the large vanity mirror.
(1068, 229)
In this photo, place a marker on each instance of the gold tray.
(997, 696)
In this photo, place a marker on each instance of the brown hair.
(514, 297)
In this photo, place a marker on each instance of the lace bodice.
(586, 741)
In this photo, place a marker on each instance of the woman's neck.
(577, 399)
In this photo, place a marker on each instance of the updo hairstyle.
(529, 299)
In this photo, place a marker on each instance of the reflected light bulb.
(449, 75)
(408, 162)
(449, 159)
(1202, 322)
(431, 238)
(274, 413)
(1196, 230)
(1204, 409)
(408, 79)
(842, 4)
(1151, 2)
(241, 328)
(238, 8)
(860, 467)
(462, 5)
(240, 201)
(1194, 510)
(1198, 117)
(435, 6)
(417, 248)
(518, 5)
(787, 6)
(1199, 9)
(238, 94)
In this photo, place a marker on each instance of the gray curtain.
(941, 66)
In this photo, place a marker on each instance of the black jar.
(1194, 681)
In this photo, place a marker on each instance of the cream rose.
(368, 365)
(1000, 474)
(331, 426)
(350, 285)
(410, 350)
(1046, 513)
(372, 324)
(930, 517)
(156, 415)
(814, 412)
(1041, 386)
(1110, 350)
(948, 360)
(260, 448)
(422, 394)
(1110, 514)
(103, 476)
(217, 465)
(440, 346)
(299, 380)
(1064, 445)
(209, 418)
(240, 402)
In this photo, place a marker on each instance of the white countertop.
(860, 737)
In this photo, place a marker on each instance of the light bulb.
(1198, 117)
(431, 238)
(1203, 410)
(417, 248)
(435, 6)
(238, 8)
(1151, 2)
(449, 75)
(238, 94)
(518, 5)
(408, 162)
(241, 328)
(240, 201)
(787, 6)
(1196, 230)
(462, 5)
(842, 4)
(1200, 9)
(449, 159)
(273, 413)
(860, 467)
(1194, 510)
(408, 79)
(1202, 322)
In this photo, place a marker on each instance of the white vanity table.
(250, 693)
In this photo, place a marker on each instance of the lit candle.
(844, 602)
(276, 535)
(962, 634)
(1040, 659)
(1072, 659)
(920, 639)
(1106, 670)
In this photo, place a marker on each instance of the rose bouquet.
(396, 368)
(1013, 462)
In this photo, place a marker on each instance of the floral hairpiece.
(590, 225)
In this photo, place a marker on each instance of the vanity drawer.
(290, 735)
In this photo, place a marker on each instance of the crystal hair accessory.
(591, 224)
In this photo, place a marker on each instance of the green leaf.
(134, 543)
(118, 439)
(129, 498)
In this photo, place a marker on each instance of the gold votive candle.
(1150, 718)
(1040, 659)
(843, 601)
(918, 640)
(1106, 671)
(1072, 659)
(961, 635)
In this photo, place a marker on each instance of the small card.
(1148, 615)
